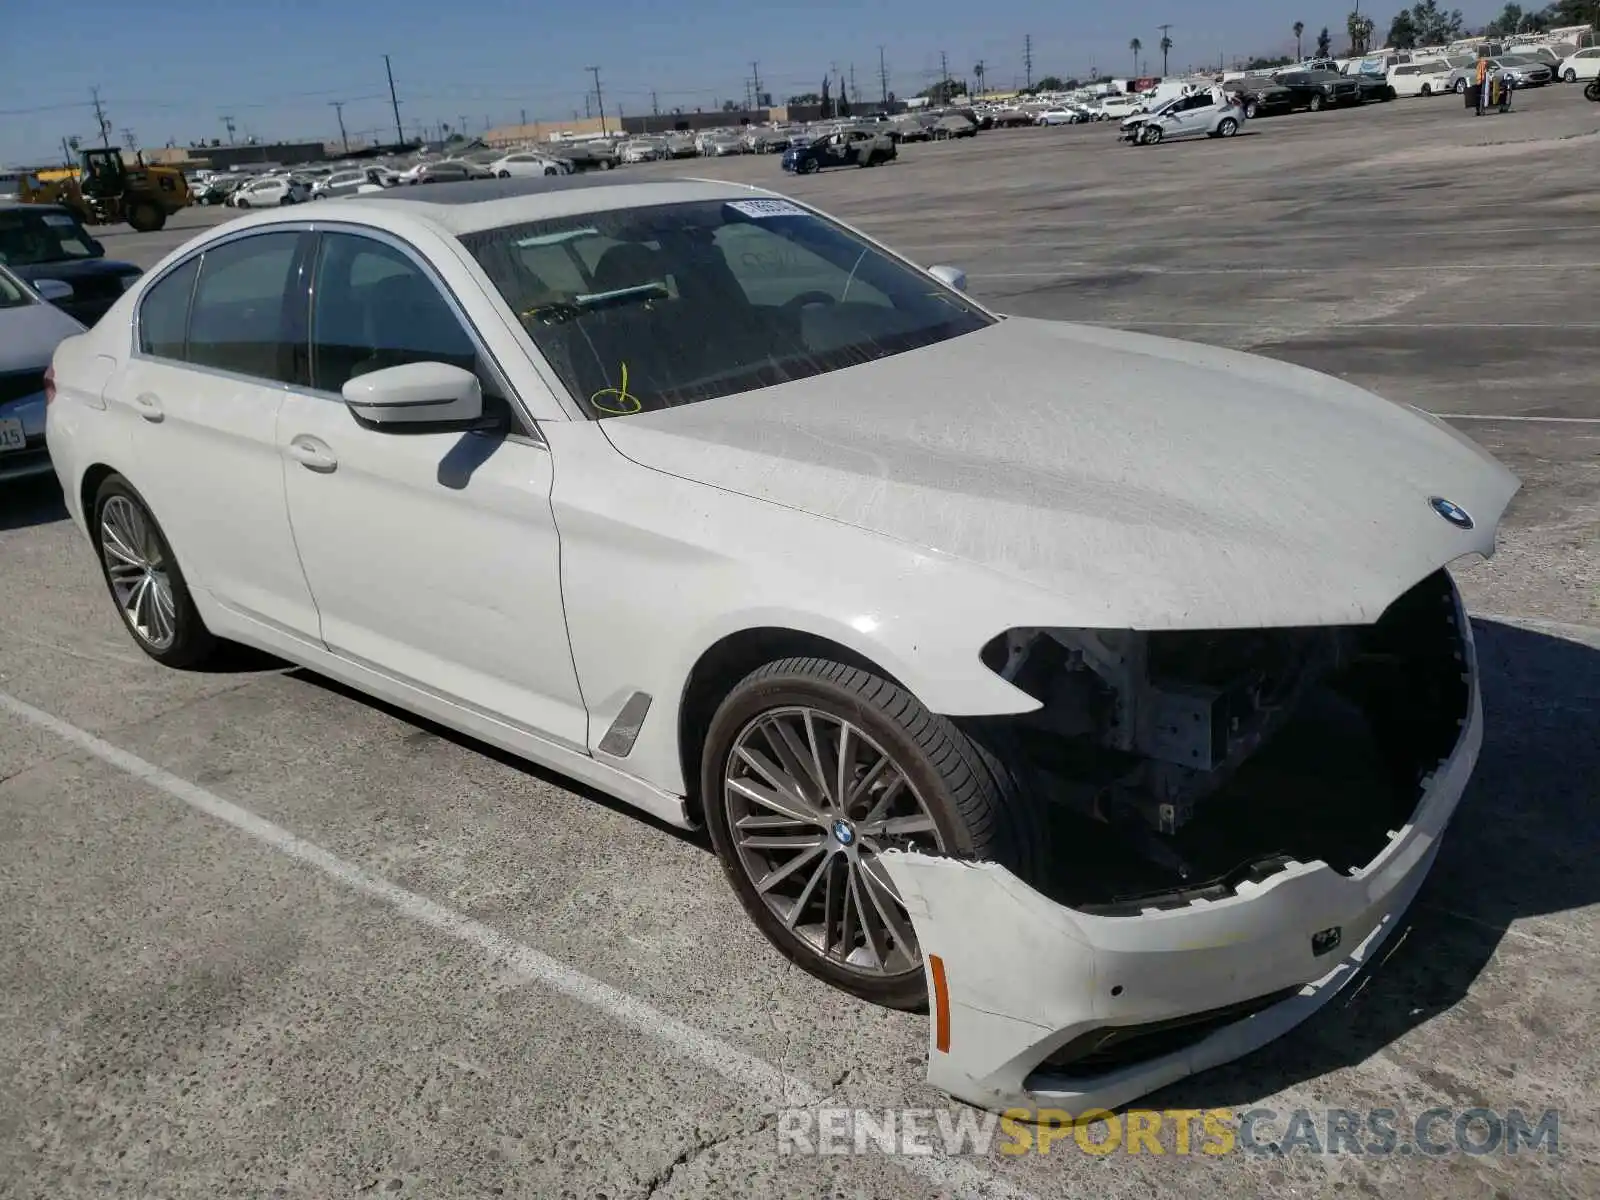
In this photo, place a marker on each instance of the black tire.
(975, 803)
(145, 216)
(1569, 76)
(1250, 111)
(1150, 135)
(1227, 127)
(1592, 91)
(193, 645)
(807, 166)
(504, 174)
(1427, 89)
(1461, 86)
(1315, 103)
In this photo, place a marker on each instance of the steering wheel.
(805, 298)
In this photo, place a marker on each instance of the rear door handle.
(149, 407)
(313, 454)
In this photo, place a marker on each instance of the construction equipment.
(105, 190)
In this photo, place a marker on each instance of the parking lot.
(268, 937)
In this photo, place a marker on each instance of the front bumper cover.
(1016, 977)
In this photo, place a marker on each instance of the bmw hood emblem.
(1451, 511)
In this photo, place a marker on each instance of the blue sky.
(172, 70)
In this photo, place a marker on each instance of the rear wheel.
(1569, 76)
(145, 581)
(811, 770)
(1427, 90)
(145, 216)
(1227, 127)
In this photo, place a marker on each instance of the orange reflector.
(941, 1005)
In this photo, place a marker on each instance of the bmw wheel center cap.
(1451, 511)
(843, 833)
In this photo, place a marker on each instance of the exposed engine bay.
(1208, 755)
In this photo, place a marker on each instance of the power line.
(599, 100)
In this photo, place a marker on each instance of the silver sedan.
(1185, 116)
(30, 330)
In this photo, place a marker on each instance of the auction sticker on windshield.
(11, 435)
(59, 220)
(766, 208)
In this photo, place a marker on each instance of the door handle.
(313, 454)
(149, 407)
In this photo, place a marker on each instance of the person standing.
(1483, 84)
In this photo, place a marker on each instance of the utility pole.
(101, 119)
(978, 71)
(588, 105)
(129, 139)
(462, 128)
(599, 99)
(338, 108)
(523, 113)
(883, 79)
(227, 123)
(755, 75)
(393, 101)
(1163, 29)
(655, 107)
(944, 76)
(1027, 60)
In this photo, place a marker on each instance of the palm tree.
(1136, 45)
(1166, 45)
(1299, 28)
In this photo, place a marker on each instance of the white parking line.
(1133, 323)
(1528, 420)
(775, 1087)
(1066, 269)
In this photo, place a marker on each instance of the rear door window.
(240, 319)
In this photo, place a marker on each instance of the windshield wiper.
(570, 310)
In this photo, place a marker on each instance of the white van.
(1427, 77)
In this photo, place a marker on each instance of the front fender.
(657, 569)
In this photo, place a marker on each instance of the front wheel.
(1150, 135)
(1316, 104)
(1569, 76)
(146, 217)
(1426, 90)
(1227, 127)
(1250, 111)
(811, 770)
(1461, 86)
(145, 581)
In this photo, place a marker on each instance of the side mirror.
(53, 289)
(953, 277)
(425, 397)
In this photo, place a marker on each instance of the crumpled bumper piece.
(1023, 977)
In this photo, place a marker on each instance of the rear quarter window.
(164, 313)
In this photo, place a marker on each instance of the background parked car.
(1584, 64)
(271, 192)
(30, 331)
(1197, 115)
(1312, 91)
(41, 242)
(1427, 77)
(845, 148)
(525, 163)
(1524, 71)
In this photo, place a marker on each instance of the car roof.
(491, 203)
(7, 205)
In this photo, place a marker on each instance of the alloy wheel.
(137, 569)
(812, 802)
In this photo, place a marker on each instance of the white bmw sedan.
(1105, 693)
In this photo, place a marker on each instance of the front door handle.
(149, 407)
(313, 454)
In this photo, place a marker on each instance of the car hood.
(70, 269)
(1151, 483)
(30, 334)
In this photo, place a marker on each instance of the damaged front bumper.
(1039, 1005)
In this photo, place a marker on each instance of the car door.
(217, 343)
(432, 557)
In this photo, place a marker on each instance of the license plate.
(11, 435)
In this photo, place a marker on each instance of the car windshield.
(646, 308)
(30, 235)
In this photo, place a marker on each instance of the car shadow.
(504, 757)
(1522, 844)
(28, 502)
